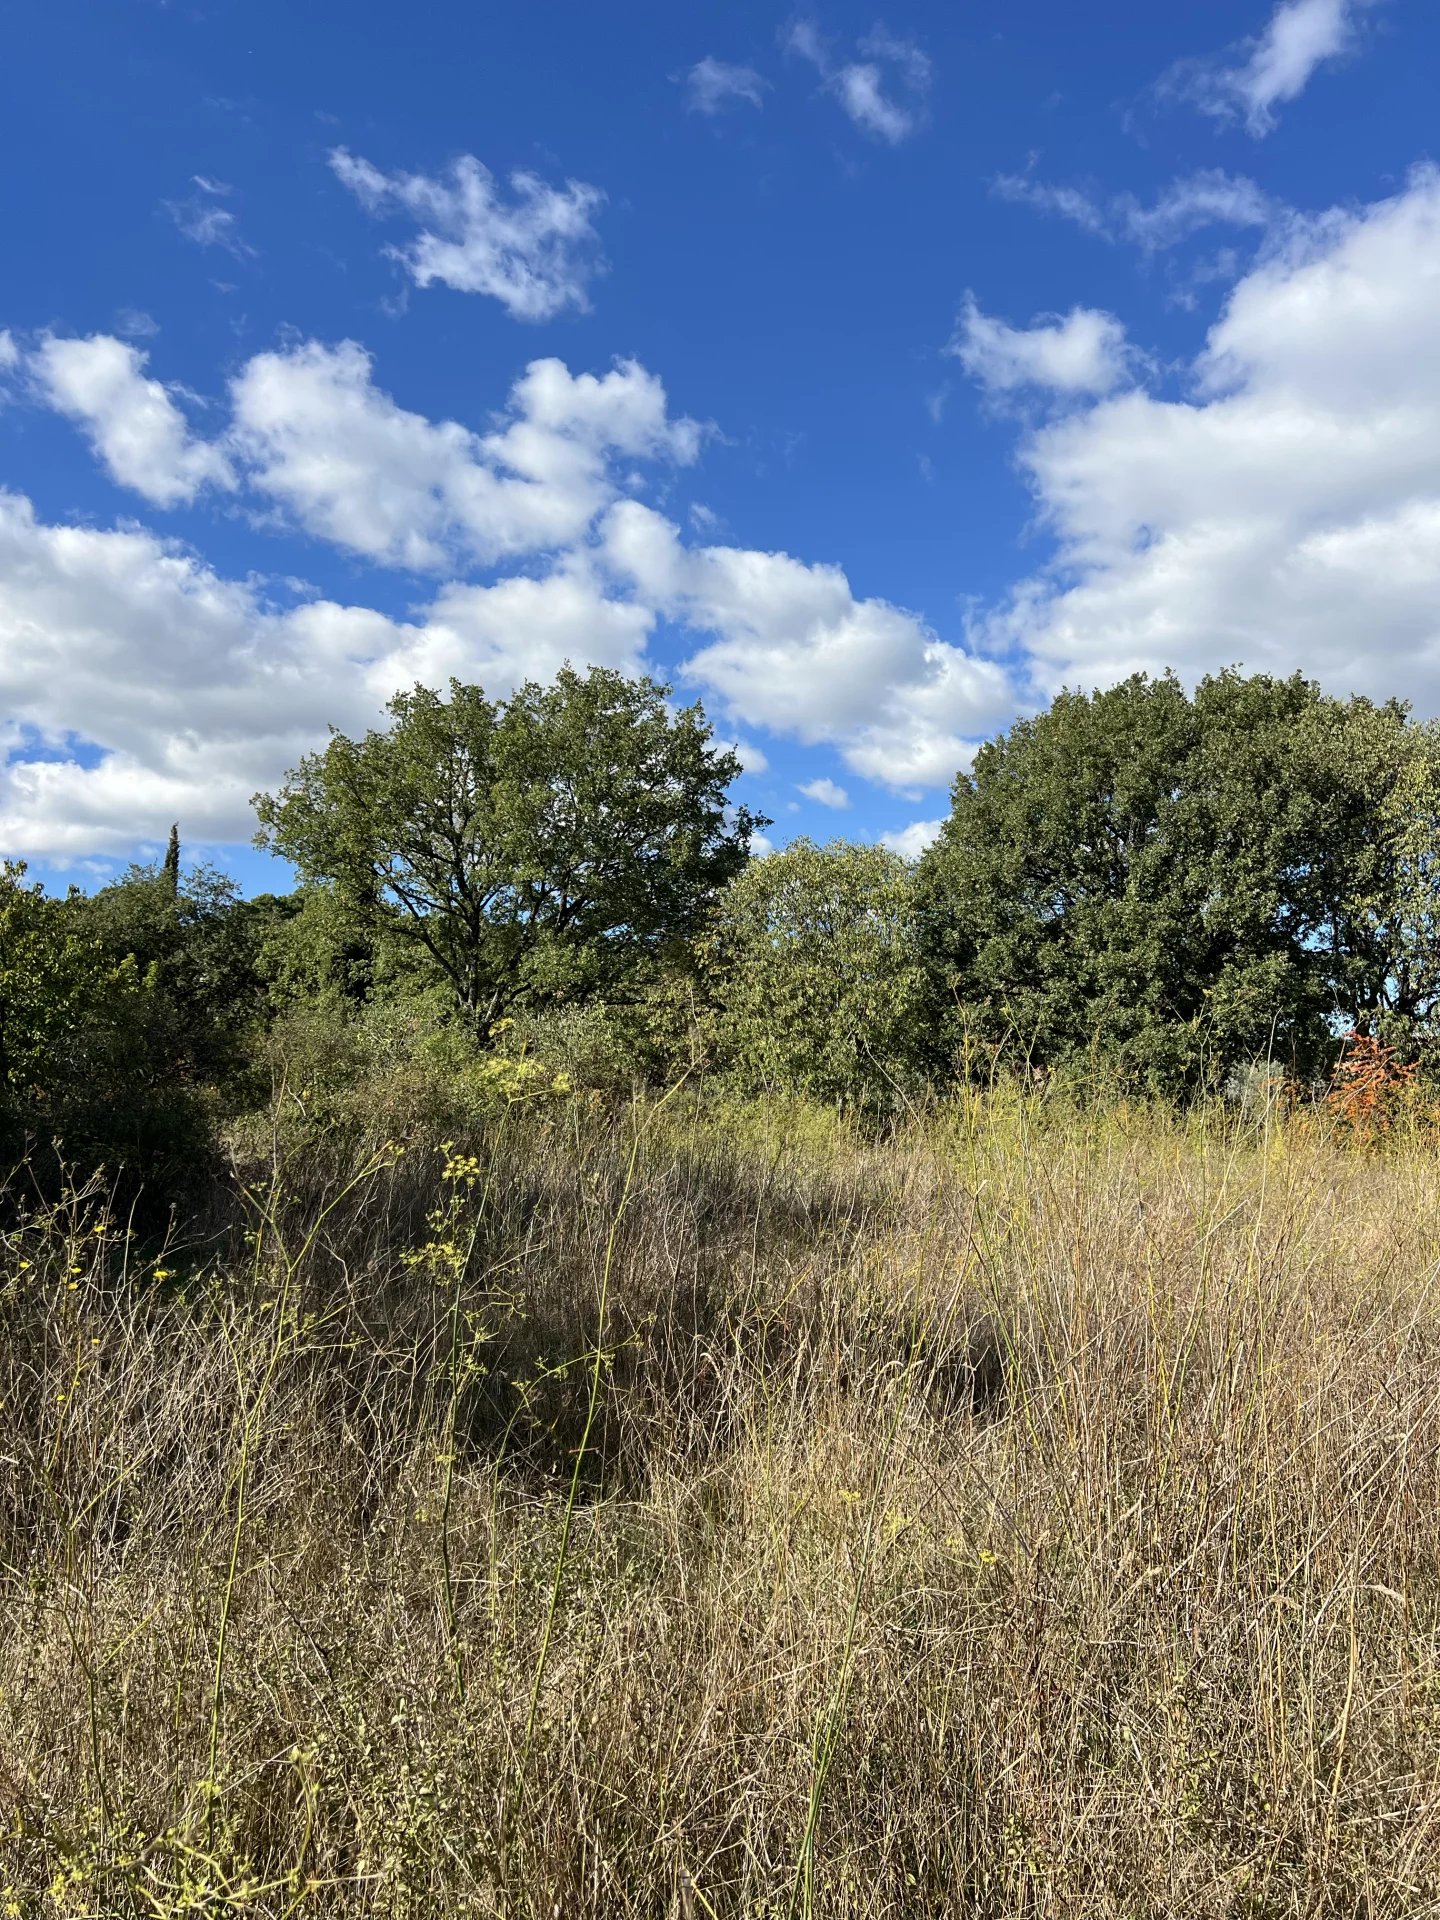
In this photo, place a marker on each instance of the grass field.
(693, 1510)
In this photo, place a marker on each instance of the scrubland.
(682, 1508)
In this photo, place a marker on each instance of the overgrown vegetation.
(704, 1508)
(784, 1419)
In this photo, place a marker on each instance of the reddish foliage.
(1370, 1086)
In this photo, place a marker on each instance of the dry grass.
(709, 1514)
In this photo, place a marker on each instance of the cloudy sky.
(869, 378)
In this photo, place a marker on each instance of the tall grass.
(707, 1511)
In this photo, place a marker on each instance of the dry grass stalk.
(1027, 1515)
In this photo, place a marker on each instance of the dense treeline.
(1142, 888)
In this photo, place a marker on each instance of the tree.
(315, 948)
(77, 1072)
(1172, 886)
(818, 973)
(172, 859)
(194, 943)
(48, 976)
(545, 848)
(1383, 929)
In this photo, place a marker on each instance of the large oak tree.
(545, 847)
(1176, 885)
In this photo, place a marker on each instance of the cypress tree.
(172, 859)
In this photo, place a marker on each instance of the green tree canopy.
(48, 990)
(1180, 884)
(80, 1070)
(194, 944)
(818, 974)
(537, 849)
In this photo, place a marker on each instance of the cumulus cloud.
(535, 251)
(141, 686)
(315, 434)
(883, 92)
(131, 421)
(1287, 514)
(521, 629)
(1208, 198)
(912, 841)
(712, 85)
(825, 793)
(191, 688)
(353, 466)
(790, 647)
(9, 352)
(1274, 68)
(312, 432)
(193, 691)
(1085, 352)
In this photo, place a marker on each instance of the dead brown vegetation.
(705, 1512)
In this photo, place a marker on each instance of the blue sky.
(869, 376)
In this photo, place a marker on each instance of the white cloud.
(825, 793)
(9, 352)
(884, 92)
(311, 430)
(196, 690)
(1084, 352)
(133, 323)
(1301, 34)
(1208, 198)
(535, 252)
(140, 686)
(520, 629)
(130, 420)
(862, 96)
(751, 759)
(794, 650)
(803, 38)
(624, 410)
(208, 225)
(352, 466)
(1287, 515)
(1275, 68)
(1082, 209)
(912, 841)
(716, 84)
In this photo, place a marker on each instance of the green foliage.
(818, 971)
(543, 849)
(74, 1020)
(194, 943)
(48, 975)
(1141, 891)
(1165, 887)
(1384, 929)
(318, 945)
